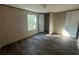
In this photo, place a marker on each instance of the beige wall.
(71, 23)
(51, 23)
(13, 23)
(59, 23)
(66, 23)
(3, 31)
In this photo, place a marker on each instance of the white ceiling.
(43, 8)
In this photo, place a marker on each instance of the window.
(31, 20)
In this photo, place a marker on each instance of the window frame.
(28, 24)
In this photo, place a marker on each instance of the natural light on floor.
(65, 33)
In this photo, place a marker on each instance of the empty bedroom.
(39, 29)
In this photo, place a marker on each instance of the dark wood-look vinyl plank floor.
(42, 44)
